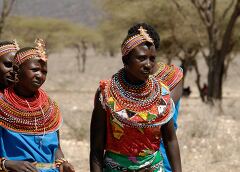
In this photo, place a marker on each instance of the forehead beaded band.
(135, 40)
(38, 51)
(7, 48)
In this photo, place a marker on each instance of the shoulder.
(169, 75)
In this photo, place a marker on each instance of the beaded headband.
(11, 47)
(135, 40)
(38, 51)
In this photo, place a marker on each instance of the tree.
(220, 41)
(6, 9)
(209, 29)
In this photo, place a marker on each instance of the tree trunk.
(215, 77)
(198, 80)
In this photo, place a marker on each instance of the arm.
(176, 93)
(171, 145)
(97, 135)
(59, 154)
(65, 165)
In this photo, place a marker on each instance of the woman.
(132, 111)
(7, 51)
(29, 119)
(170, 75)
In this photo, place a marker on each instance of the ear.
(16, 71)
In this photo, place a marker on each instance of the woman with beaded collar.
(170, 75)
(29, 119)
(132, 111)
(7, 51)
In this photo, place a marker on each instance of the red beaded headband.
(38, 51)
(135, 40)
(12, 47)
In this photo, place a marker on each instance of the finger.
(34, 163)
(31, 167)
(61, 168)
(71, 167)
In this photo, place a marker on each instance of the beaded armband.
(2, 165)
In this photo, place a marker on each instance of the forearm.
(59, 154)
(96, 162)
(173, 154)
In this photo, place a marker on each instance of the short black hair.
(150, 30)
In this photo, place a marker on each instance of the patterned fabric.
(170, 75)
(132, 132)
(116, 162)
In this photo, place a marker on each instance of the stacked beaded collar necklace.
(136, 98)
(140, 106)
(37, 115)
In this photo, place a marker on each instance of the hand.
(20, 166)
(66, 167)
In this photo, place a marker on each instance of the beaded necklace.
(44, 131)
(36, 115)
(135, 98)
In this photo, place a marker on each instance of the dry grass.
(209, 139)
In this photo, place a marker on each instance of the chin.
(145, 78)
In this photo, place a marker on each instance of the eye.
(44, 72)
(152, 58)
(34, 69)
(141, 58)
(8, 64)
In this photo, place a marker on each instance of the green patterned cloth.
(116, 162)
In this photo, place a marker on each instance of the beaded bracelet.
(59, 162)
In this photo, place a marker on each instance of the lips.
(146, 72)
(37, 83)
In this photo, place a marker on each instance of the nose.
(148, 63)
(39, 75)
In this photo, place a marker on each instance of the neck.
(2, 87)
(131, 79)
(23, 93)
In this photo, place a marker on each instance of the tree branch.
(229, 31)
(227, 10)
(185, 17)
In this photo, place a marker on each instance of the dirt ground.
(209, 137)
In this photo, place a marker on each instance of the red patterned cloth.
(130, 132)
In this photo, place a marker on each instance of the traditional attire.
(170, 75)
(28, 129)
(135, 114)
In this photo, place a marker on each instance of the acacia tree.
(6, 9)
(212, 31)
(220, 41)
